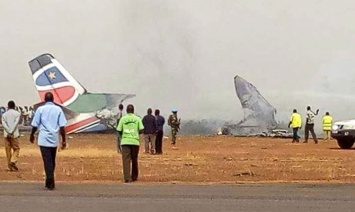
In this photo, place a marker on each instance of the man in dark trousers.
(160, 132)
(130, 126)
(295, 124)
(310, 125)
(49, 119)
(150, 130)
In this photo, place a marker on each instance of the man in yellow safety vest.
(295, 124)
(327, 125)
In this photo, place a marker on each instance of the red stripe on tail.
(61, 95)
(79, 124)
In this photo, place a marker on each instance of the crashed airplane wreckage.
(259, 114)
(86, 112)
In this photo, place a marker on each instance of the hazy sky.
(185, 53)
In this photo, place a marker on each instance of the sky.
(185, 54)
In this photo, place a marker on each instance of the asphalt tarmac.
(170, 197)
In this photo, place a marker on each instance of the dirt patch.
(198, 159)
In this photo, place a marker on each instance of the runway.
(169, 197)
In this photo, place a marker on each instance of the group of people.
(153, 130)
(296, 124)
(130, 126)
(26, 114)
(49, 119)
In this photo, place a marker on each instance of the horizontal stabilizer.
(69, 114)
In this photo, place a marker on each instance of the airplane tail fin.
(50, 76)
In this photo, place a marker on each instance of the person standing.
(10, 122)
(22, 115)
(327, 125)
(2, 111)
(295, 124)
(119, 116)
(25, 116)
(150, 130)
(30, 114)
(174, 123)
(310, 125)
(49, 119)
(160, 132)
(129, 127)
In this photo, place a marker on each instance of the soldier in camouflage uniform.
(174, 123)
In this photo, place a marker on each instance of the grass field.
(198, 159)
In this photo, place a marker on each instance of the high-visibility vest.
(296, 120)
(327, 123)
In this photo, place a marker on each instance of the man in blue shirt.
(160, 132)
(49, 119)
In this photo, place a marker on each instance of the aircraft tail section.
(50, 76)
(259, 113)
(85, 111)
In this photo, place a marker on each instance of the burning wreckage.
(259, 114)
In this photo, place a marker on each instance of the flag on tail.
(50, 76)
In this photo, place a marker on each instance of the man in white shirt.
(310, 125)
(10, 121)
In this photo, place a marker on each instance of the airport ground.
(198, 160)
(204, 174)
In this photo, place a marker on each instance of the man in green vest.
(130, 126)
(327, 125)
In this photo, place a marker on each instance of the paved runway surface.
(141, 197)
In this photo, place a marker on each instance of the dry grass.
(198, 160)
